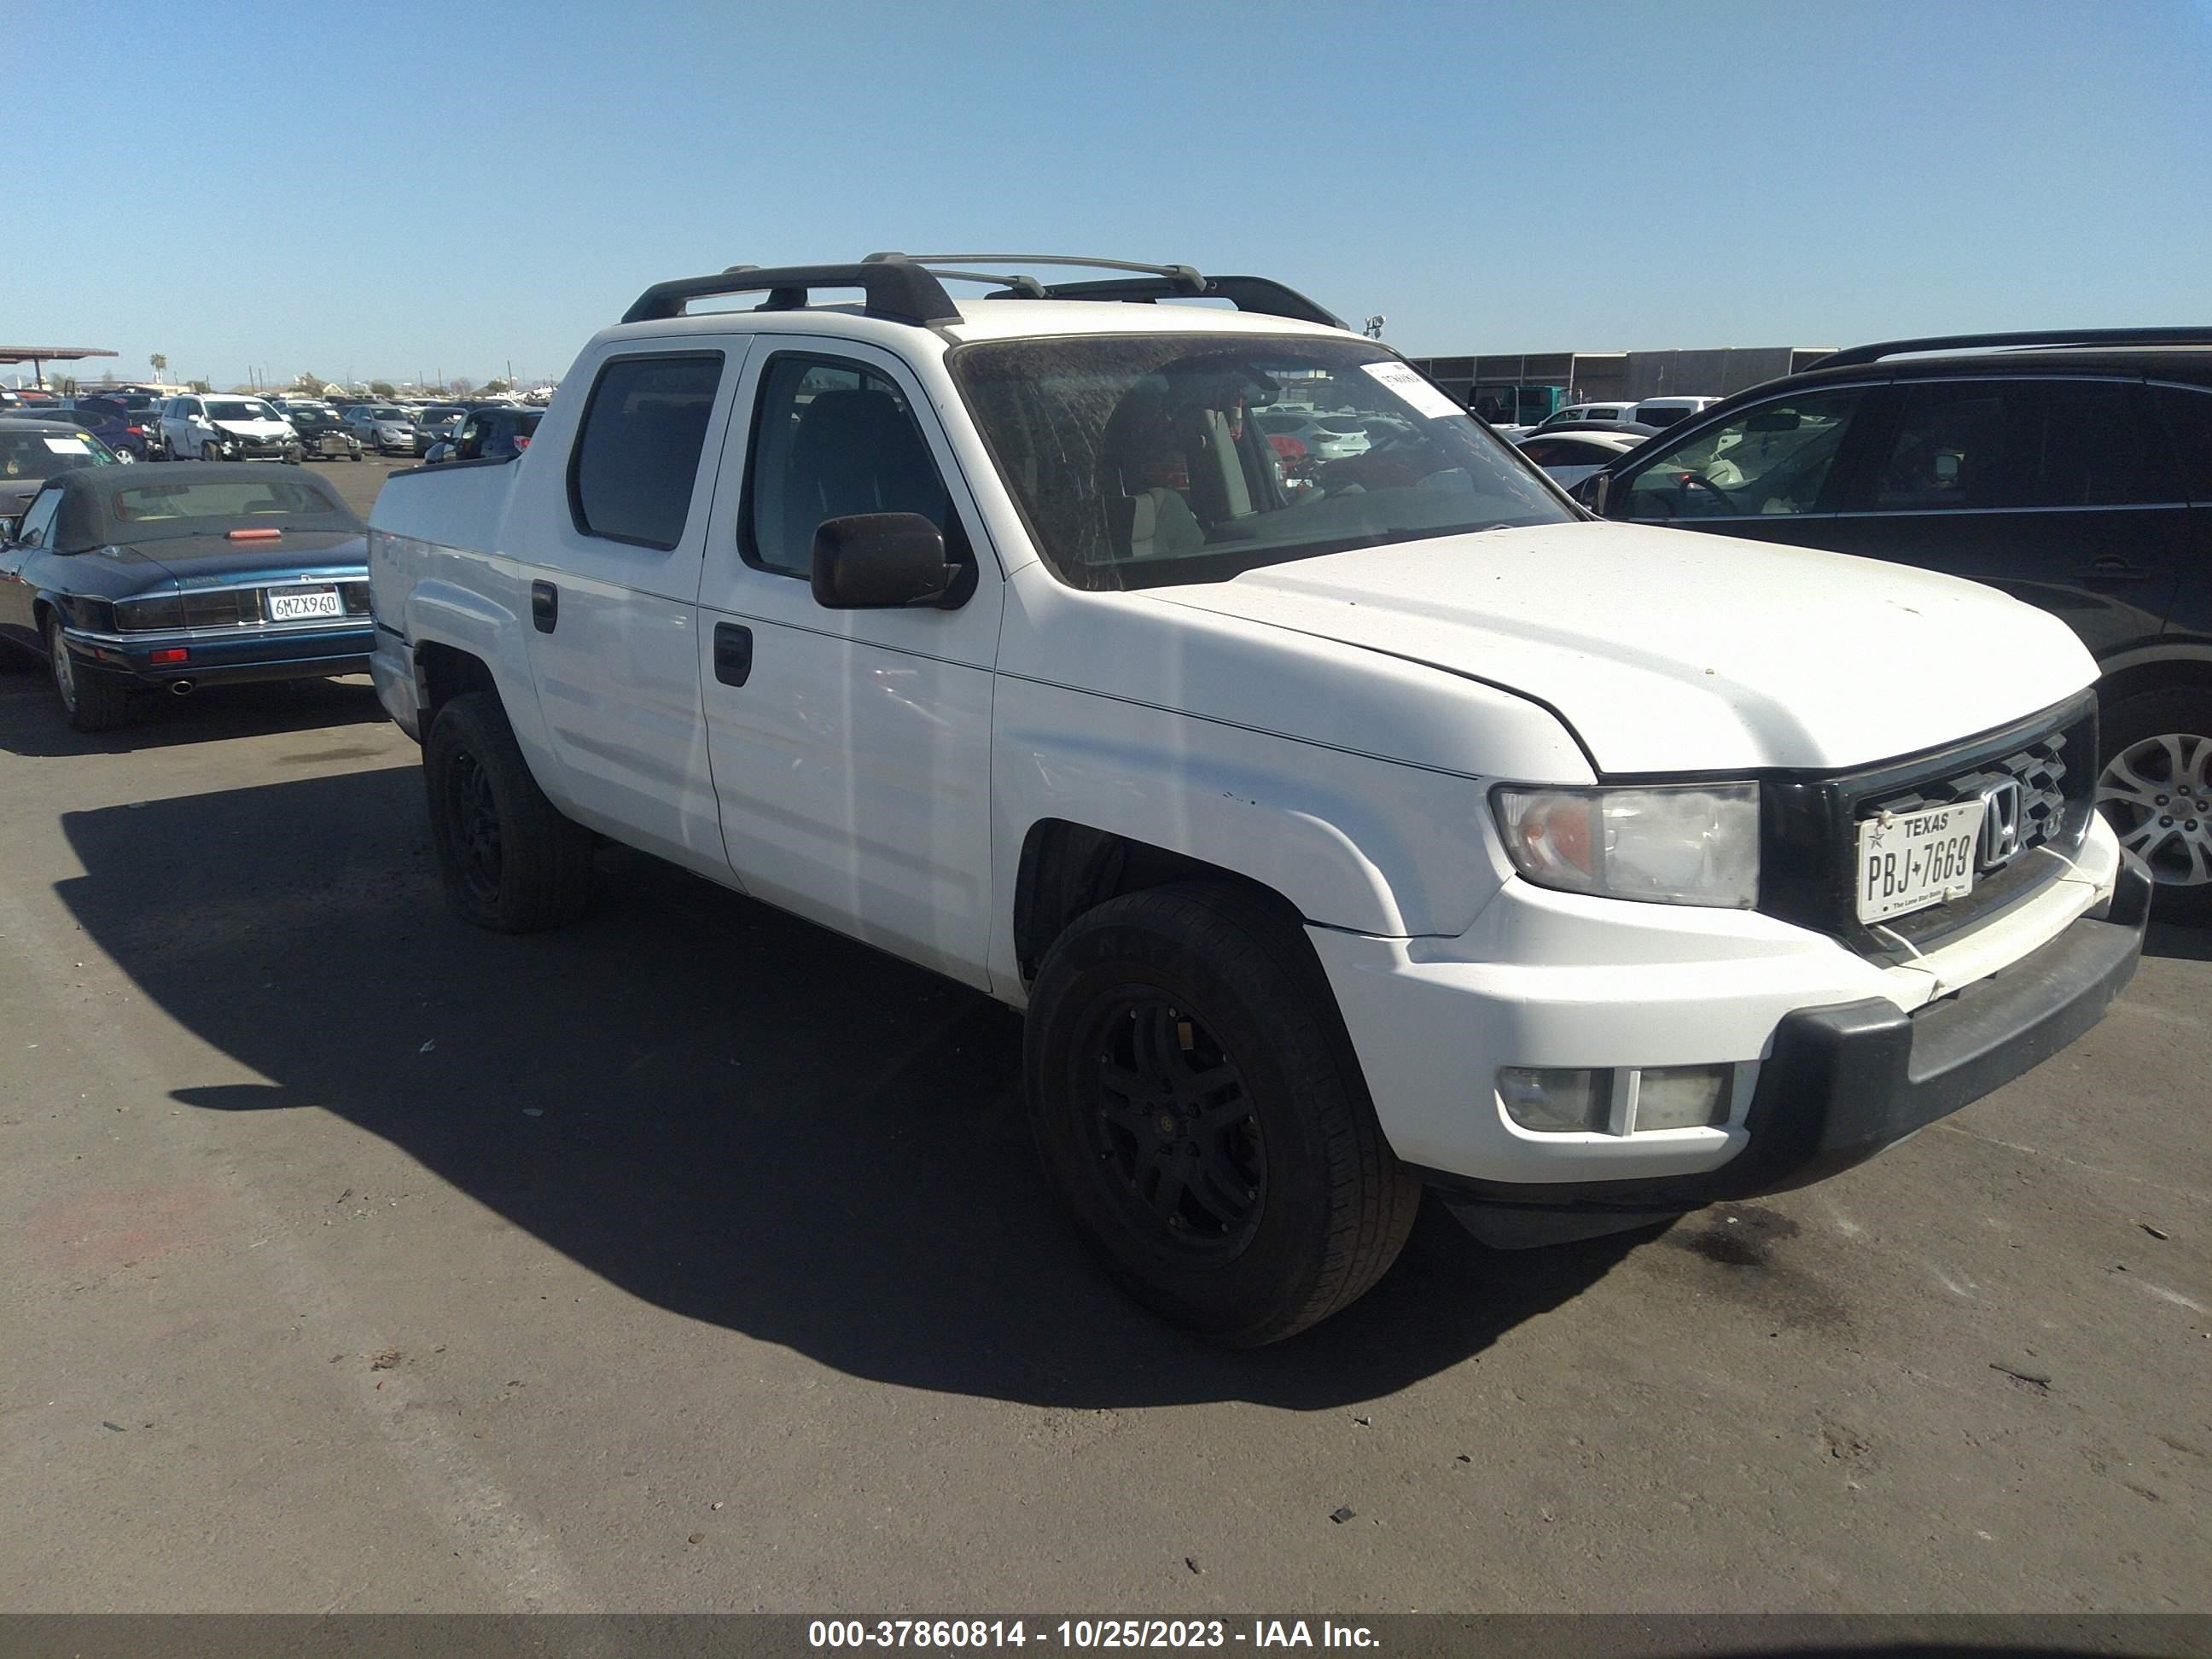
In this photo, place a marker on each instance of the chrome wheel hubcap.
(2157, 795)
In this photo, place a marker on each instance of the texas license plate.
(304, 604)
(1909, 860)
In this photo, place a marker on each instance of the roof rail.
(896, 289)
(2079, 336)
(1259, 294)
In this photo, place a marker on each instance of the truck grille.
(1810, 826)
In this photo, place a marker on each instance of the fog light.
(1682, 1097)
(1554, 1100)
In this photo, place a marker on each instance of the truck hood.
(1671, 650)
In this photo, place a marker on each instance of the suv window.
(2097, 450)
(832, 438)
(1772, 458)
(1959, 443)
(637, 450)
(2186, 414)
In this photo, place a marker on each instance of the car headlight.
(1672, 844)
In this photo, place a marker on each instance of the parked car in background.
(1661, 412)
(35, 447)
(213, 426)
(323, 436)
(135, 434)
(206, 575)
(1327, 437)
(1613, 414)
(383, 428)
(488, 434)
(1571, 456)
(2071, 469)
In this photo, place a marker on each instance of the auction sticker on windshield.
(1410, 386)
(68, 447)
(1909, 860)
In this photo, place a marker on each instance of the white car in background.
(1586, 414)
(1327, 437)
(1666, 411)
(1571, 456)
(213, 426)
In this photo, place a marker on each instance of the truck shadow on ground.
(716, 1108)
(36, 728)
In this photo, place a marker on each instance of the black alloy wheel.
(475, 818)
(1173, 1128)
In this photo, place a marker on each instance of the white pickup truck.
(1343, 825)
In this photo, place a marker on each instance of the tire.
(511, 862)
(2156, 791)
(91, 703)
(1183, 1047)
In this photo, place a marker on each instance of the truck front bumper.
(1834, 1057)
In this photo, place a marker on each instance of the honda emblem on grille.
(2001, 825)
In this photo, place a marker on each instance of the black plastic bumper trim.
(1843, 1082)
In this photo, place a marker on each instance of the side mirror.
(881, 561)
(8, 528)
(1592, 491)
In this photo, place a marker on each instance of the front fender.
(1375, 846)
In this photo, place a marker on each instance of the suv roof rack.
(2079, 336)
(1261, 295)
(903, 288)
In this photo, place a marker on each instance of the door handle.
(544, 606)
(733, 653)
(2111, 569)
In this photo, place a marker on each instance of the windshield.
(239, 409)
(40, 452)
(384, 412)
(1145, 461)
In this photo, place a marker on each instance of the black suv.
(2072, 471)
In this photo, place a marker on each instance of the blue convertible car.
(135, 578)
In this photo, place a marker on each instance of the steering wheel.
(1702, 481)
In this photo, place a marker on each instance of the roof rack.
(896, 289)
(1261, 295)
(904, 288)
(2079, 336)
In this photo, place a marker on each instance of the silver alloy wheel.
(64, 669)
(125, 457)
(2157, 793)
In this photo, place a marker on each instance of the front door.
(851, 748)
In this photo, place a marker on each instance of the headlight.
(1689, 844)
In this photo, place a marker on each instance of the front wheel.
(92, 703)
(2156, 791)
(1198, 1112)
(511, 862)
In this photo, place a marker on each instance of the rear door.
(2184, 415)
(851, 748)
(610, 527)
(2061, 492)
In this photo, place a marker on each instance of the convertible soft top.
(130, 504)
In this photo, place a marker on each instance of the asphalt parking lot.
(694, 1259)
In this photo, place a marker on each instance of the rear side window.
(2186, 414)
(2097, 449)
(833, 438)
(1961, 444)
(637, 450)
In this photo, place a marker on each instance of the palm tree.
(160, 365)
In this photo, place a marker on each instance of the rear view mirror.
(880, 561)
(1947, 467)
(1773, 420)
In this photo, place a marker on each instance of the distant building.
(1509, 386)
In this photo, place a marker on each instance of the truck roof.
(982, 320)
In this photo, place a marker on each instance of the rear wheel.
(2156, 791)
(1198, 1112)
(511, 862)
(92, 703)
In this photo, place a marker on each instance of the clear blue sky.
(384, 188)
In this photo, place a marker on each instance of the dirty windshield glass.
(239, 410)
(1143, 461)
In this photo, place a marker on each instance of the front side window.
(832, 438)
(1959, 443)
(637, 450)
(1152, 460)
(1774, 458)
